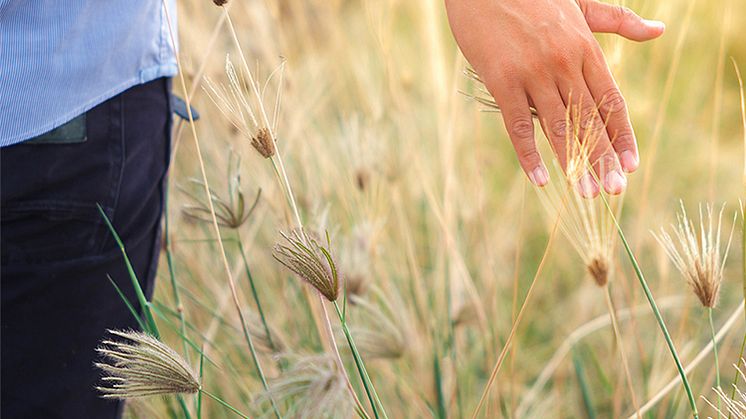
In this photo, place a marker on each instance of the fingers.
(609, 18)
(520, 126)
(553, 118)
(596, 144)
(613, 111)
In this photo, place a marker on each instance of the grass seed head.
(231, 212)
(696, 253)
(598, 268)
(301, 252)
(140, 365)
(264, 143)
(220, 2)
(314, 387)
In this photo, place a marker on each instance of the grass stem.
(370, 390)
(224, 403)
(254, 293)
(656, 311)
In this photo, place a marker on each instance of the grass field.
(435, 230)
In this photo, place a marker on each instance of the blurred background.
(436, 229)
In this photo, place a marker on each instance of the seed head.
(220, 2)
(314, 387)
(380, 328)
(264, 143)
(697, 256)
(598, 268)
(141, 365)
(301, 253)
(230, 212)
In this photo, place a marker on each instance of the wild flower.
(141, 365)
(696, 252)
(313, 263)
(231, 212)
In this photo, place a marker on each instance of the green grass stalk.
(585, 390)
(254, 293)
(172, 274)
(224, 403)
(656, 311)
(370, 390)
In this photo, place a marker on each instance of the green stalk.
(260, 371)
(370, 390)
(172, 275)
(715, 354)
(656, 311)
(224, 403)
(583, 383)
(254, 293)
(149, 325)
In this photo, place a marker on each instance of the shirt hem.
(144, 76)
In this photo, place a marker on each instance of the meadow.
(464, 290)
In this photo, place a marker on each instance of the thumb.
(620, 20)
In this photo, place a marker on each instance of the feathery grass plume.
(301, 253)
(697, 254)
(482, 95)
(356, 253)
(735, 404)
(231, 212)
(383, 335)
(272, 342)
(239, 107)
(141, 365)
(584, 222)
(314, 388)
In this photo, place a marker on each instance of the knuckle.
(521, 129)
(590, 122)
(623, 140)
(527, 154)
(612, 102)
(621, 12)
(558, 128)
(560, 59)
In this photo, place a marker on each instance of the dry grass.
(422, 197)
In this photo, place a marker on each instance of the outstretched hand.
(542, 54)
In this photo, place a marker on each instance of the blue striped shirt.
(60, 58)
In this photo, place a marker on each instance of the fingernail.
(539, 176)
(656, 24)
(615, 182)
(629, 161)
(587, 186)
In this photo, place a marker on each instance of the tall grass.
(423, 201)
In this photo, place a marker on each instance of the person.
(542, 54)
(85, 116)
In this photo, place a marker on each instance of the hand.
(542, 53)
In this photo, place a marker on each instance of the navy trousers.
(57, 302)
